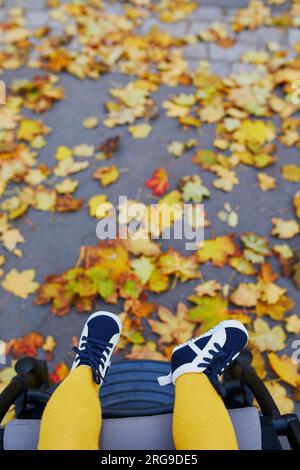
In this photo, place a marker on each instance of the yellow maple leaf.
(21, 283)
(45, 199)
(284, 229)
(279, 393)
(66, 186)
(285, 368)
(63, 152)
(90, 122)
(291, 173)
(266, 182)
(84, 150)
(140, 131)
(293, 324)
(99, 206)
(255, 132)
(29, 129)
(296, 202)
(217, 250)
(68, 166)
(208, 288)
(107, 175)
(258, 362)
(246, 295)
(49, 344)
(266, 338)
(11, 238)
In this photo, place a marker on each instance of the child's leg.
(72, 418)
(201, 421)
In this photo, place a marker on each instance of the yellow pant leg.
(201, 421)
(72, 418)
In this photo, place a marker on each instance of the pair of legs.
(72, 419)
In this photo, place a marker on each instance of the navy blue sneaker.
(209, 353)
(98, 340)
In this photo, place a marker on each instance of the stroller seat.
(137, 433)
(137, 413)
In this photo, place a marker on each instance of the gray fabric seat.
(145, 433)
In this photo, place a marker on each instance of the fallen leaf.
(218, 250)
(172, 328)
(21, 283)
(107, 175)
(90, 122)
(285, 368)
(266, 338)
(158, 183)
(284, 229)
(140, 131)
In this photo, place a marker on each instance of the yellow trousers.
(72, 418)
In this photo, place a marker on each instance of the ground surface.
(53, 241)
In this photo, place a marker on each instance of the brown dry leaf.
(27, 345)
(21, 283)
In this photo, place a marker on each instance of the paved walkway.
(54, 245)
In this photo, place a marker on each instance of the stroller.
(137, 412)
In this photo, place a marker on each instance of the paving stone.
(262, 35)
(220, 68)
(3, 16)
(115, 8)
(178, 29)
(35, 4)
(196, 51)
(293, 36)
(204, 13)
(229, 13)
(196, 26)
(35, 19)
(27, 4)
(227, 54)
(239, 67)
(192, 64)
